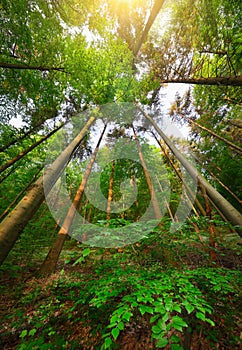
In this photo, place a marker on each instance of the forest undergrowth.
(161, 292)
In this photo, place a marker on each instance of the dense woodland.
(116, 231)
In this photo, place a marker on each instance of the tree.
(181, 111)
(194, 49)
(155, 203)
(118, 60)
(50, 262)
(227, 209)
(12, 226)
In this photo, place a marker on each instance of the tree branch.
(25, 66)
(220, 81)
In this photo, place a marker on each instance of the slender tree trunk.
(84, 235)
(211, 226)
(231, 144)
(29, 149)
(49, 265)
(20, 195)
(166, 203)
(154, 13)
(154, 200)
(192, 195)
(220, 81)
(133, 180)
(232, 214)
(12, 226)
(110, 192)
(89, 215)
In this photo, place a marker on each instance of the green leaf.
(80, 260)
(114, 319)
(168, 304)
(188, 306)
(160, 309)
(23, 333)
(161, 343)
(178, 323)
(175, 339)
(165, 317)
(126, 316)
(115, 333)
(177, 308)
(156, 329)
(108, 342)
(86, 252)
(32, 331)
(210, 321)
(144, 309)
(201, 316)
(154, 318)
(121, 326)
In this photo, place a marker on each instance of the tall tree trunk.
(110, 192)
(134, 185)
(29, 149)
(211, 227)
(220, 81)
(12, 226)
(166, 203)
(154, 199)
(187, 187)
(232, 214)
(49, 265)
(154, 13)
(156, 208)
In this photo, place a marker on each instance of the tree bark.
(12, 226)
(49, 265)
(220, 81)
(232, 214)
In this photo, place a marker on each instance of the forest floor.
(92, 299)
